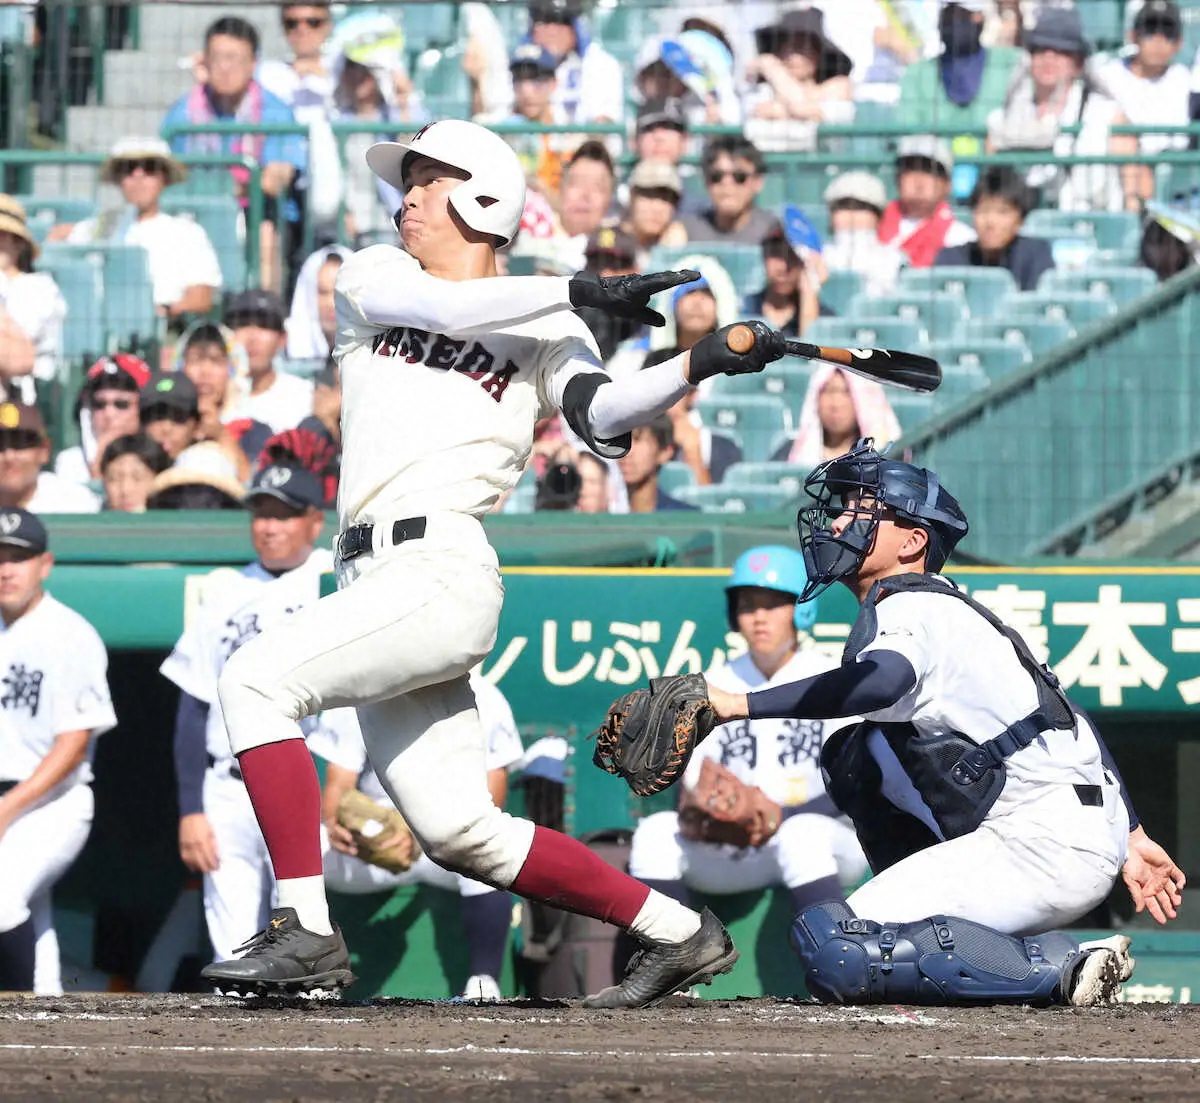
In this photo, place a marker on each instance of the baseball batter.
(54, 702)
(486, 912)
(987, 804)
(811, 848)
(445, 371)
(218, 834)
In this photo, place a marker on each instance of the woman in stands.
(838, 409)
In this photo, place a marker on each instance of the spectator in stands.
(24, 451)
(142, 168)
(651, 446)
(32, 309)
(107, 408)
(1151, 88)
(275, 398)
(1001, 201)
(202, 477)
(733, 172)
(694, 67)
(590, 86)
(170, 409)
(963, 83)
(593, 484)
(655, 189)
(839, 408)
(919, 221)
(128, 467)
(610, 251)
(1170, 241)
(662, 130)
(856, 202)
(585, 197)
(534, 84)
(795, 271)
(803, 80)
(312, 324)
(1052, 91)
(308, 448)
(326, 417)
(229, 93)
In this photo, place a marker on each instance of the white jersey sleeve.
(81, 700)
(500, 728)
(190, 666)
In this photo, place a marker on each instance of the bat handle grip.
(740, 339)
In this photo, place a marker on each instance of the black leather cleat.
(661, 968)
(284, 959)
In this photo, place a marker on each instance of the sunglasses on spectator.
(312, 22)
(19, 440)
(739, 176)
(167, 413)
(115, 403)
(151, 166)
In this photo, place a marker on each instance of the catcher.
(367, 847)
(753, 810)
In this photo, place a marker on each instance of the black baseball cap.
(21, 529)
(171, 389)
(1159, 16)
(294, 486)
(664, 112)
(255, 307)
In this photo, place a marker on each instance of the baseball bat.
(898, 369)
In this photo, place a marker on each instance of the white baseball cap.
(927, 146)
(864, 187)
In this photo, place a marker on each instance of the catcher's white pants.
(806, 848)
(1040, 866)
(358, 878)
(239, 893)
(397, 641)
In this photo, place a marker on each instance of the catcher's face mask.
(838, 532)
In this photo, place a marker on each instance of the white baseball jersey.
(781, 756)
(258, 602)
(970, 680)
(338, 739)
(441, 421)
(53, 679)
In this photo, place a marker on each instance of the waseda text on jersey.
(436, 350)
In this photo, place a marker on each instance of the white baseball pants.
(358, 878)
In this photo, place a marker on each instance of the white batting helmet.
(491, 200)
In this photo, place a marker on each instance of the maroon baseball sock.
(282, 782)
(564, 873)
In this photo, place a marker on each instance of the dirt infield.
(748, 1051)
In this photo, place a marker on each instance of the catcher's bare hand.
(1154, 880)
(727, 706)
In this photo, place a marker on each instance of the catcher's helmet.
(491, 200)
(771, 567)
(870, 486)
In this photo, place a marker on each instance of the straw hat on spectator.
(204, 464)
(13, 221)
(142, 149)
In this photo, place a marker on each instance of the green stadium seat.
(1078, 310)
(428, 25)
(1122, 285)
(937, 313)
(790, 179)
(220, 217)
(789, 476)
(744, 263)
(1103, 22)
(866, 332)
(983, 288)
(51, 210)
(129, 313)
(205, 180)
(786, 378)
(959, 382)
(79, 281)
(1109, 229)
(911, 408)
(443, 85)
(994, 357)
(757, 419)
(674, 476)
(1038, 335)
(840, 289)
(741, 499)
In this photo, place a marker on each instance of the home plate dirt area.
(747, 1051)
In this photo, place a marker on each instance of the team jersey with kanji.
(969, 680)
(258, 601)
(337, 738)
(781, 756)
(441, 421)
(53, 679)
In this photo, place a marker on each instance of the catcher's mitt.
(382, 837)
(722, 808)
(650, 734)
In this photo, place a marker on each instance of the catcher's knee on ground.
(937, 961)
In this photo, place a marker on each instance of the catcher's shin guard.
(937, 961)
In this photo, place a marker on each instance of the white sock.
(307, 896)
(664, 920)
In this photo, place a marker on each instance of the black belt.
(6, 785)
(1090, 795)
(234, 771)
(359, 539)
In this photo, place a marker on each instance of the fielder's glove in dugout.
(649, 735)
(380, 834)
(627, 296)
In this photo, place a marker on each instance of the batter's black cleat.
(284, 959)
(662, 968)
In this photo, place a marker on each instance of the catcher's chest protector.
(958, 778)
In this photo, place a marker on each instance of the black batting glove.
(626, 296)
(712, 355)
